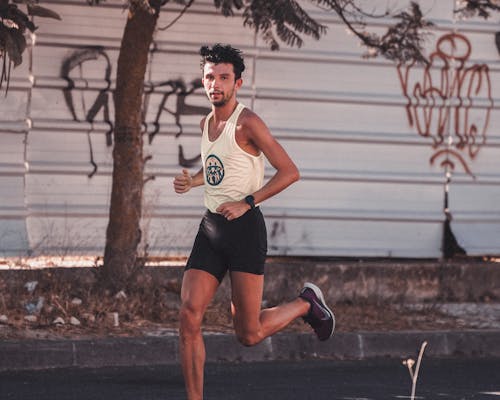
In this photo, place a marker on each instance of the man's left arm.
(286, 173)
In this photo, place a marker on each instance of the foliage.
(13, 25)
(482, 8)
(286, 21)
(144, 4)
(283, 19)
(403, 42)
(277, 21)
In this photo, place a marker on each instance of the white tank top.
(230, 172)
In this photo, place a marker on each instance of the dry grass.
(153, 304)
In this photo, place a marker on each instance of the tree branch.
(189, 4)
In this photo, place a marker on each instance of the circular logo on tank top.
(214, 170)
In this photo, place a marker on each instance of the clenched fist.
(183, 183)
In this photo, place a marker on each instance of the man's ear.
(238, 83)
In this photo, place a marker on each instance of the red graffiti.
(449, 101)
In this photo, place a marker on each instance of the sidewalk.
(162, 348)
(468, 293)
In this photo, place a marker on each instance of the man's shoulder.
(248, 117)
(250, 125)
(202, 121)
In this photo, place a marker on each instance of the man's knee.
(249, 338)
(190, 319)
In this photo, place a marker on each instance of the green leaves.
(15, 44)
(38, 11)
(404, 41)
(279, 20)
(13, 25)
(471, 8)
(226, 6)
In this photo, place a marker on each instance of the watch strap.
(250, 200)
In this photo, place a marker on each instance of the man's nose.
(216, 83)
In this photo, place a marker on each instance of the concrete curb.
(147, 350)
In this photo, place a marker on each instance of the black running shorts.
(237, 245)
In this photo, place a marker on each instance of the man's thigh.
(245, 243)
(198, 289)
(246, 299)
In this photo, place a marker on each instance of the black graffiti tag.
(181, 91)
(176, 89)
(76, 60)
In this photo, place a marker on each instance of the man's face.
(218, 81)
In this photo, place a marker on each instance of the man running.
(232, 234)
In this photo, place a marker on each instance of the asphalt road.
(314, 380)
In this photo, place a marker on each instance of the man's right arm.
(184, 182)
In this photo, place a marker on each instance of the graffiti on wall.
(75, 63)
(449, 102)
(181, 92)
(75, 96)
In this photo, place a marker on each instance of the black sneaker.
(320, 317)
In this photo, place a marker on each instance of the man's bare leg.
(252, 325)
(198, 289)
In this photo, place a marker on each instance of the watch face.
(250, 200)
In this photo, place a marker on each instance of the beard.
(219, 103)
(223, 101)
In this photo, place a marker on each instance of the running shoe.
(320, 317)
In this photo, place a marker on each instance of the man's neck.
(224, 112)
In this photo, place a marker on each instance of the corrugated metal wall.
(357, 133)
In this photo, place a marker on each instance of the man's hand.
(233, 209)
(183, 183)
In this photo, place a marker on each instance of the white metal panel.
(331, 116)
(478, 238)
(50, 104)
(162, 201)
(68, 151)
(174, 64)
(377, 160)
(12, 195)
(11, 153)
(364, 199)
(67, 195)
(343, 119)
(353, 238)
(66, 235)
(169, 235)
(473, 200)
(330, 78)
(475, 205)
(484, 167)
(13, 234)
(13, 237)
(81, 22)
(13, 106)
(51, 60)
(202, 25)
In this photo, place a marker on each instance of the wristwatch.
(250, 200)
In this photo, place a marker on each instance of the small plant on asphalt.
(414, 373)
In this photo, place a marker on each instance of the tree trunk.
(123, 233)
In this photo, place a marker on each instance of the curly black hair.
(223, 54)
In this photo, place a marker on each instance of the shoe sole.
(317, 291)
